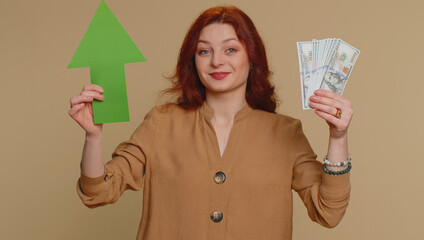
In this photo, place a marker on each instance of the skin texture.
(81, 108)
(82, 112)
(326, 104)
(219, 50)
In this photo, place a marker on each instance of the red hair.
(186, 83)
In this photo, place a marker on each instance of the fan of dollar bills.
(324, 64)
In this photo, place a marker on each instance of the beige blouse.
(192, 193)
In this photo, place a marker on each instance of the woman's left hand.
(334, 109)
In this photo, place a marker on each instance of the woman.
(220, 163)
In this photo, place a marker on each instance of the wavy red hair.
(186, 83)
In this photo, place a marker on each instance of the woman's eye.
(231, 50)
(201, 52)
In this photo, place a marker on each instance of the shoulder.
(168, 112)
(276, 119)
(162, 116)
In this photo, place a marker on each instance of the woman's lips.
(219, 75)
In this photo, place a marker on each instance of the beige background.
(41, 145)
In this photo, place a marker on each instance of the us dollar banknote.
(324, 64)
(340, 67)
(305, 67)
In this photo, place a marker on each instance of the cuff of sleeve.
(91, 186)
(336, 185)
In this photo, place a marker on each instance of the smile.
(219, 75)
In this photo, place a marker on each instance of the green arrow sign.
(105, 48)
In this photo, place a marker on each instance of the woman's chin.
(224, 87)
(224, 90)
(220, 87)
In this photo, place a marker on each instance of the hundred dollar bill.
(316, 68)
(340, 67)
(304, 51)
(314, 82)
(329, 51)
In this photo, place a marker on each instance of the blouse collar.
(208, 111)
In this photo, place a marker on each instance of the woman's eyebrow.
(224, 41)
(230, 39)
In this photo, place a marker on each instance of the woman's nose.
(217, 60)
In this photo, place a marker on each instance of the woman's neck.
(225, 106)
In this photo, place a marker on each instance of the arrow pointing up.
(105, 48)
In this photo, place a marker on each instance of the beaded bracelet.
(337, 164)
(337, 172)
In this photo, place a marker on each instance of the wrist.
(93, 136)
(338, 136)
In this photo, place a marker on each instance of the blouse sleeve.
(124, 171)
(325, 196)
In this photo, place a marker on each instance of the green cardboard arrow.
(105, 48)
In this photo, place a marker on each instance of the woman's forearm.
(337, 111)
(337, 152)
(92, 161)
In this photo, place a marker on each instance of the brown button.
(216, 216)
(219, 177)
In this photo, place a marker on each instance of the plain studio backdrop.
(41, 145)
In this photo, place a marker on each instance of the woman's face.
(221, 60)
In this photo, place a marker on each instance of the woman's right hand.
(82, 111)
